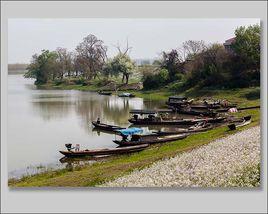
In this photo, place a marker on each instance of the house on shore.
(228, 43)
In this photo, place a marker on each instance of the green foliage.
(247, 44)
(171, 62)
(177, 86)
(120, 64)
(153, 81)
(42, 67)
(80, 81)
(224, 69)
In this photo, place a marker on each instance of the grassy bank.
(113, 167)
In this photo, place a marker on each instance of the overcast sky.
(147, 37)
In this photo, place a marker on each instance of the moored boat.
(196, 112)
(149, 139)
(193, 129)
(98, 152)
(106, 127)
(104, 92)
(126, 95)
(245, 121)
(159, 121)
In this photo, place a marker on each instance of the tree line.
(88, 61)
(194, 63)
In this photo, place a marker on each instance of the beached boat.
(106, 127)
(149, 139)
(105, 92)
(245, 121)
(98, 152)
(159, 121)
(196, 112)
(238, 109)
(177, 101)
(126, 95)
(192, 129)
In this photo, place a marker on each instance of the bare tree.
(64, 62)
(92, 56)
(123, 63)
(126, 51)
(190, 49)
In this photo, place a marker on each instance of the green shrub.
(177, 86)
(154, 81)
(80, 81)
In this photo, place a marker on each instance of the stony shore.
(232, 161)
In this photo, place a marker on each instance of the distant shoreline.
(16, 72)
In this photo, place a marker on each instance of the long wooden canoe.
(105, 93)
(152, 139)
(98, 152)
(157, 121)
(106, 127)
(196, 112)
(183, 131)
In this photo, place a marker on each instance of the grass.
(113, 167)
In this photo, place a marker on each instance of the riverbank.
(238, 95)
(232, 161)
(114, 167)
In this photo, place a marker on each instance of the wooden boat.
(158, 121)
(239, 109)
(177, 101)
(196, 112)
(149, 139)
(98, 152)
(193, 129)
(106, 127)
(126, 95)
(246, 120)
(105, 93)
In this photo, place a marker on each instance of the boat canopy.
(130, 131)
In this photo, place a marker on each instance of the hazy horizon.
(147, 37)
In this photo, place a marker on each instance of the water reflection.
(88, 106)
(51, 110)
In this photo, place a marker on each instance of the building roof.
(229, 41)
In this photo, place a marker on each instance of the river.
(40, 122)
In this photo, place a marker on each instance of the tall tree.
(92, 56)
(64, 62)
(120, 64)
(247, 46)
(171, 62)
(42, 67)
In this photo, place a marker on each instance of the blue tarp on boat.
(130, 131)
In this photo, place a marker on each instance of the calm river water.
(40, 122)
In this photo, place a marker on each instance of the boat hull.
(99, 152)
(175, 122)
(105, 127)
(184, 131)
(151, 140)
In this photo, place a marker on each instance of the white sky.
(148, 37)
